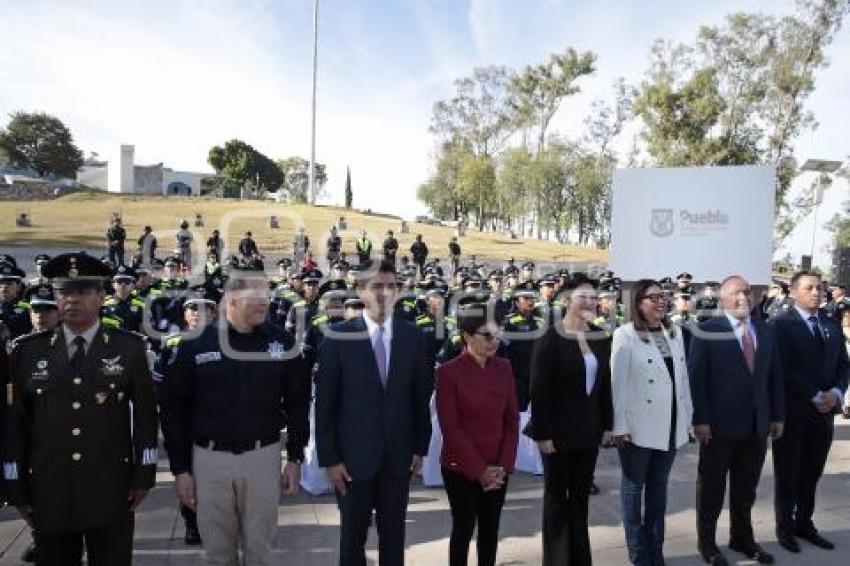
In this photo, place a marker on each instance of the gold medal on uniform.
(101, 397)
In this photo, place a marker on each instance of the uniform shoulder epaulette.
(319, 319)
(137, 302)
(423, 319)
(300, 303)
(22, 304)
(456, 339)
(23, 339)
(516, 318)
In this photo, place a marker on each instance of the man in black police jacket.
(81, 430)
(815, 366)
(227, 391)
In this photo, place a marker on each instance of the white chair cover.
(527, 454)
(431, 474)
(314, 480)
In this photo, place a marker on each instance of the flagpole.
(312, 188)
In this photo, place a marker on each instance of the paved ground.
(308, 525)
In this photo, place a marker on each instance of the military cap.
(41, 295)
(546, 281)
(284, 262)
(354, 302)
(10, 272)
(124, 272)
(6, 258)
(685, 276)
(314, 275)
(76, 271)
(495, 274)
(202, 295)
(526, 289)
(332, 287)
(471, 280)
(476, 298)
(607, 274)
(435, 288)
(41, 258)
(607, 290)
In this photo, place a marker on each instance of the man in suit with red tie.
(815, 366)
(372, 420)
(738, 397)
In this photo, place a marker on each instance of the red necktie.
(749, 348)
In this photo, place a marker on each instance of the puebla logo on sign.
(662, 224)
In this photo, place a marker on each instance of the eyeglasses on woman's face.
(655, 297)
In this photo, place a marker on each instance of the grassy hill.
(81, 219)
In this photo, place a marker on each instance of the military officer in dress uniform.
(521, 329)
(78, 461)
(14, 311)
(123, 306)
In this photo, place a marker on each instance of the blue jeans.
(645, 473)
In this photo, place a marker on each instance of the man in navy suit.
(815, 366)
(372, 420)
(739, 399)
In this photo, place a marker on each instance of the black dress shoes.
(753, 551)
(713, 556)
(788, 542)
(814, 537)
(193, 536)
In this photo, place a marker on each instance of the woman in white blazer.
(652, 413)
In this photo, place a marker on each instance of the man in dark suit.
(738, 397)
(815, 366)
(372, 420)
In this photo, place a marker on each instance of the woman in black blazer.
(571, 411)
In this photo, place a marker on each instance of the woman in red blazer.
(477, 409)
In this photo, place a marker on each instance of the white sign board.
(708, 221)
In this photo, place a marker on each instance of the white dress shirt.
(738, 328)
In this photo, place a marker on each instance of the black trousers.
(568, 475)
(742, 461)
(387, 495)
(470, 504)
(190, 518)
(109, 546)
(798, 461)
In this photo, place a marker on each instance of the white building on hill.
(120, 174)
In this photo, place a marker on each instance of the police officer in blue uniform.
(14, 311)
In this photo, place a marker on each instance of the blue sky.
(175, 77)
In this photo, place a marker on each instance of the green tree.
(540, 89)
(41, 142)
(296, 172)
(738, 94)
(349, 196)
(481, 113)
(238, 164)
